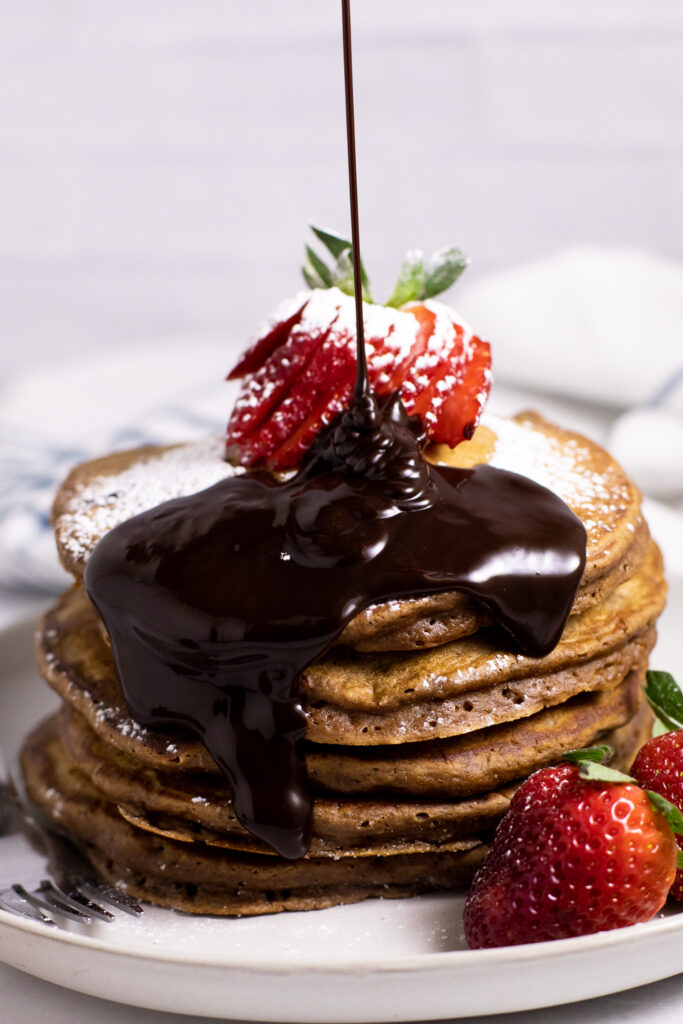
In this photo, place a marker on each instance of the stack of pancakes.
(421, 721)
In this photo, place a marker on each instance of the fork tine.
(110, 894)
(84, 909)
(93, 908)
(37, 903)
(25, 909)
(51, 903)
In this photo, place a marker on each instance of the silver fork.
(74, 892)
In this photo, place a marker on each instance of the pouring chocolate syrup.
(217, 602)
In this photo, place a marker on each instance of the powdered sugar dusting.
(106, 501)
(567, 467)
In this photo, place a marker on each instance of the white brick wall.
(159, 159)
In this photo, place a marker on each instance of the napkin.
(601, 325)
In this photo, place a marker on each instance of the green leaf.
(669, 810)
(601, 773)
(599, 754)
(658, 728)
(314, 262)
(312, 279)
(446, 267)
(679, 859)
(334, 244)
(665, 698)
(337, 247)
(342, 276)
(411, 279)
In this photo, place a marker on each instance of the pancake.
(200, 878)
(381, 699)
(202, 802)
(203, 879)
(99, 494)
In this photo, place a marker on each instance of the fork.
(75, 892)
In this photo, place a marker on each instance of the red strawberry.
(572, 856)
(659, 764)
(299, 375)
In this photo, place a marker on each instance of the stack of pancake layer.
(421, 722)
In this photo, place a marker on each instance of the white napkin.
(601, 325)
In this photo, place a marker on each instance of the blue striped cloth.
(31, 469)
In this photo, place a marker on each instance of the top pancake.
(100, 494)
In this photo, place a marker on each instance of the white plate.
(402, 960)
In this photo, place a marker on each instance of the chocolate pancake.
(102, 493)
(457, 767)
(204, 879)
(200, 804)
(384, 699)
(201, 878)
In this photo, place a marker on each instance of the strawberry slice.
(300, 375)
(457, 418)
(276, 332)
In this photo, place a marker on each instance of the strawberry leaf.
(665, 698)
(342, 276)
(658, 728)
(411, 278)
(334, 244)
(598, 754)
(319, 267)
(312, 279)
(601, 773)
(679, 860)
(446, 267)
(669, 810)
(342, 251)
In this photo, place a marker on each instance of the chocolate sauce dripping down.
(216, 603)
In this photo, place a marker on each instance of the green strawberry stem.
(416, 282)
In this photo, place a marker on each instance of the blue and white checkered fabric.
(31, 469)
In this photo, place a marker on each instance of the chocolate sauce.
(216, 603)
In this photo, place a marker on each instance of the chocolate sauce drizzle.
(216, 603)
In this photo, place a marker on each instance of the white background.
(160, 159)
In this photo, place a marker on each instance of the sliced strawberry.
(276, 334)
(264, 390)
(394, 376)
(306, 379)
(268, 386)
(461, 410)
(331, 382)
(435, 369)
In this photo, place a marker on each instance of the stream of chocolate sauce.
(217, 602)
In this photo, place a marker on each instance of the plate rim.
(536, 951)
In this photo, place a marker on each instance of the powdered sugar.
(105, 501)
(567, 467)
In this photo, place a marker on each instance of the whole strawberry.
(572, 856)
(659, 764)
